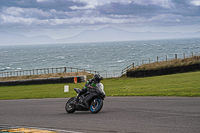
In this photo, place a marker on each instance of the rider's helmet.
(97, 78)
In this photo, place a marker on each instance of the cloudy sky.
(65, 18)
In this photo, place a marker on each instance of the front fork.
(94, 101)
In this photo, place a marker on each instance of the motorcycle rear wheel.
(95, 108)
(69, 107)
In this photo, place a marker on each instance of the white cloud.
(92, 4)
(40, 1)
(195, 2)
(12, 20)
(24, 12)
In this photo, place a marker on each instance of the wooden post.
(176, 56)
(133, 64)
(184, 55)
(65, 69)
(149, 61)
(157, 58)
(166, 57)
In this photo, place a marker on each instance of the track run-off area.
(118, 115)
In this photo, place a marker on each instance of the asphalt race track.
(118, 115)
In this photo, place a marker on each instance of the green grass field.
(183, 84)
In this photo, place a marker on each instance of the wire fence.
(105, 74)
(43, 71)
(150, 61)
(110, 74)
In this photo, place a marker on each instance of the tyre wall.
(42, 81)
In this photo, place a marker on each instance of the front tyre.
(69, 107)
(96, 106)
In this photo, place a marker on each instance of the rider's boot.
(77, 98)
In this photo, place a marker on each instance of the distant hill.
(113, 34)
(18, 39)
(102, 35)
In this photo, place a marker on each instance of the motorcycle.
(92, 100)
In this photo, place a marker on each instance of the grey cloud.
(59, 5)
(59, 13)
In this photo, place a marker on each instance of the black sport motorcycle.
(92, 100)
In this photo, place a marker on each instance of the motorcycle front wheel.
(69, 107)
(96, 106)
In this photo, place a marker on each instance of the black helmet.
(97, 78)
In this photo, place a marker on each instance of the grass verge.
(183, 84)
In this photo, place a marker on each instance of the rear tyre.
(96, 107)
(69, 107)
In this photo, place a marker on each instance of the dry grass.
(168, 64)
(41, 76)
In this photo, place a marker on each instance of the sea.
(108, 58)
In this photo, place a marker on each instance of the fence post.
(184, 55)
(157, 58)
(176, 56)
(149, 61)
(65, 69)
(166, 57)
(133, 64)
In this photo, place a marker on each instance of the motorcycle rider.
(90, 84)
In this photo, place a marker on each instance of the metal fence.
(150, 61)
(105, 74)
(110, 74)
(43, 71)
